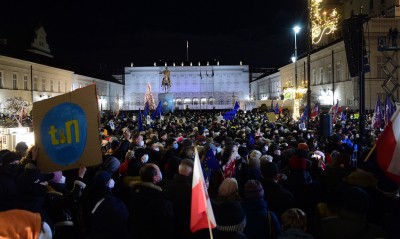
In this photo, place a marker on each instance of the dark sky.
(116, 33)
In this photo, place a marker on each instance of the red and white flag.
(202, 215)
(388, 148)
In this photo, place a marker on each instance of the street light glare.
(296, 29)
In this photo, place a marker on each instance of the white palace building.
(193, 87)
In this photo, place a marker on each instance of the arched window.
(195, 101)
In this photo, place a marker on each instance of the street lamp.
(296, 30)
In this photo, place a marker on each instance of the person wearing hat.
(179, 192)
(261, 223)
(105, 216)
(231, 220)
(228, 190)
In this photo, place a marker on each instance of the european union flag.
(251, 140)
(211, 160)
(146, 109)
(276, 108)
(343, 117)
(140, 123)
(157, 112)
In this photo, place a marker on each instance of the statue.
(166, 81)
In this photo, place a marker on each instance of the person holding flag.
(202, 215)
(377, 117)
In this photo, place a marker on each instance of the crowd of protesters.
(271, 180)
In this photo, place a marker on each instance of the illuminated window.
(43, 84)
(329, 74)
(338, 71)
(51, 86)
(1, 80)
(25, 82)
(35, 84)
(321, 75)
(380, 62)
(314, 77)
(14, 82)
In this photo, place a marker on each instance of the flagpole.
(187, 50)
(369, 154)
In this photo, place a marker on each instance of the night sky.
(112, 34)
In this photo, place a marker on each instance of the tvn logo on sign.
(64, 132)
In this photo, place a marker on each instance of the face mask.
(62, 180)
(146, 158)
(111, 183)
(156, 149)
(175, 145)
(266, 149)
(160, 177)
(219, 149)
(277, 152)
(141, 144)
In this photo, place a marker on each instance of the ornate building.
(193, 87)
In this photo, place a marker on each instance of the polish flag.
(388, 148)
(202, 215)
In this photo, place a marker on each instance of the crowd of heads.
(265, 179)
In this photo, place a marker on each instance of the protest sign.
(66, 130)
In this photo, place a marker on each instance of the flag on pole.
(334, 110)
(388, 148)
(377, 117)
(389, 109)
(343, 117)
(230, 115)
(211, 160)
(276, 108)
(236, 106)
(272, 106)
(201, 214)
(140, 123)
(315, 111)
(304, 115)
(146, 109)
(157, 112)
(251, 140)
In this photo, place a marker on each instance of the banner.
(66, 130)
(271, 116)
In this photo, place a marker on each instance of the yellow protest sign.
(271, 116)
